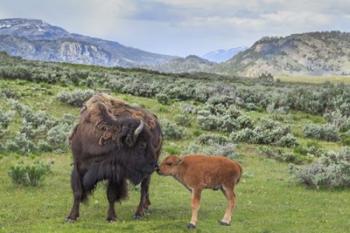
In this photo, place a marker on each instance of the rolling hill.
(314, 53)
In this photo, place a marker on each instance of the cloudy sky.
(182, 27)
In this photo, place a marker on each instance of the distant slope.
(314, 53)
(188, 64)
(35, 39)
(222, 55)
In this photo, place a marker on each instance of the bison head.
(133, 143)
(123, 131)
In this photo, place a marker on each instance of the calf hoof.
(191, 226)
(224, 223)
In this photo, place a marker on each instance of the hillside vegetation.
(291, 140)
(314, 53)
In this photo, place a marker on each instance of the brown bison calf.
(198, 172)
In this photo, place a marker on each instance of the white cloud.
(185, 26)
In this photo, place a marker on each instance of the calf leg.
(195, 204)
(78, 194)
(230, 196)
(144, 198)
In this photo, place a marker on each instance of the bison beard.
(110, 143)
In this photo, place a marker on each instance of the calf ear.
(179, 161)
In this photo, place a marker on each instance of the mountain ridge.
(222, 55)
(38, 40)
(312, 53)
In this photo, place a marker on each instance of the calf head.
(169, 165)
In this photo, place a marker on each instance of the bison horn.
(139, 128)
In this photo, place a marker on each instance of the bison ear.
(131, 134)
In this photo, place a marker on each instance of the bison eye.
(168, 164)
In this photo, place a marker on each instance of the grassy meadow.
(269, 197)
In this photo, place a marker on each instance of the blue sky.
(182, 27)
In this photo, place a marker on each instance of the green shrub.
(57, 136)
(171, 130)
(210, 139)
(163, 98)
(183, 119)
(44, 146)
(29, 175)
(266, 132)
(326, 132)
(287, 140)
(5, 118)
(340, 122)
(21, 144)
(330, 171)
(226, 150)
(281, 155)
(75, 98)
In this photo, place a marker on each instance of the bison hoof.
(224, 223)
(191, 226)
(70, 220)
(137, 216)
(111, 219)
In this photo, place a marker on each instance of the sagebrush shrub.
(57, 136)
(226, 150)
(171, 130)
(163, 98)
(5, 118)
(331, 171)
(32, 174)
(75, 98)
(338, 120)
(183, 119)
(266, 131)
(210, 139)
(21, 144)
(281, 155)
(326, 132)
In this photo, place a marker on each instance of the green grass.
(269, 200)
(313, 79)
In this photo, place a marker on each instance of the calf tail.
(240, 173)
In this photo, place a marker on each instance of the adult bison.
(113, 141)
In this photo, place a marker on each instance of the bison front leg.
(115, 192)
(78, 194)
(112, 191)
(144, 198)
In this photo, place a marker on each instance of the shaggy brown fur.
(113, 141)
(198, 172)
